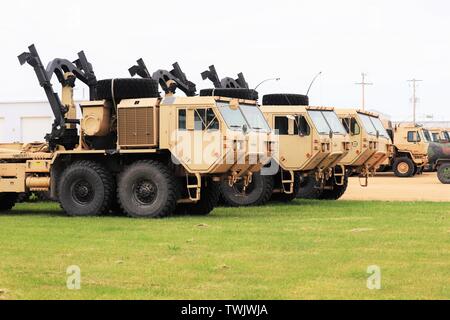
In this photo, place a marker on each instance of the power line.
(363, 85)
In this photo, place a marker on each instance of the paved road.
(390, 188)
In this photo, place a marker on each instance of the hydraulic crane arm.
(225, 83)
(66, 72)
(168, 80)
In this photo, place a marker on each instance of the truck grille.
(137, 127)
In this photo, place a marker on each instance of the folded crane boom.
(66, 72)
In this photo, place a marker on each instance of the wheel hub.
(145, 192)
(82, 192)
(446, 173)
(403, 167)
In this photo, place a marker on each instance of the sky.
(391, 41)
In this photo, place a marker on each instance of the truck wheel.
(7, 201)
(147, 189)
(444, 173)
(85, 189)
(258, 192)
(336, 193)
(404, 167)
(308, 188)
(284, 197)
(209, 198)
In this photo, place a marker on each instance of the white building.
(25, 121)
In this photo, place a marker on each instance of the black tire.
(281, 99)
(7, 201)
(237, 93)
(127, 89)
(147, 189)
(85, 189)
(285, 197)
(309, 188)
(336, 193)
(444, 173)
(404, 167)
(258, 193)
(209, 199)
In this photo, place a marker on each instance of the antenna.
(363, 84)
(312, 82)
(414, 98)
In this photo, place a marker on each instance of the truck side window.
(303, 128)
(413, 136)
(354, 127)
(182, 119)
(282, 126)
(205, 119)
(211, 120)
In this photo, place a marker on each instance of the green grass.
(305, 250)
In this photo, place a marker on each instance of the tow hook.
(232, 179)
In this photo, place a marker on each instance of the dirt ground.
(387, 187)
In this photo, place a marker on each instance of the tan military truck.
(311, 143)
(411, 143)
(371, 143)
(154, 156)
(370, 147)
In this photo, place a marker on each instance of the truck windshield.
(367, 124)
(255, 117)
(233, 118)
(334, 122)
(379, 127)
(326, 122)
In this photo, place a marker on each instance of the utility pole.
(414, 98)
(363, 84)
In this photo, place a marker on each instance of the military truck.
(152, 156)
(311, 141)
(370, 147)
(371, 144)
(312, 144)
(411, 143)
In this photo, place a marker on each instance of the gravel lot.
(387, 187)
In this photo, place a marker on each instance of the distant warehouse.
(25, 121)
